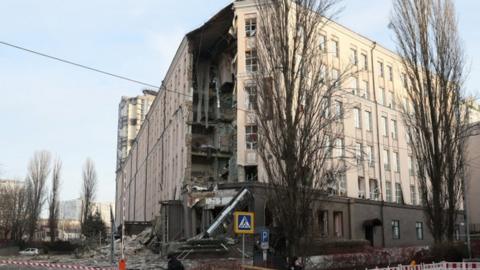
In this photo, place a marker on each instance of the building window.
(383, 96)
(358, 153)
(323, 223)
(322, 43)
(251, 136)
(251, 61)
(388, 191)
(370, 156)
(323, 74)
(386, 160)
(357, 117)
(394, 128)
(335, 48)
(342, 184)
(419, 230)
(366, 90)
(250, 27)
(404, 80)
(390, 73)
(374, 191)
(335, 73)
(380, 69)
(395, 229)
(413, 194)
(365, 61)
(411, 171)
(355, 86)
(361, 187)
(251, 92)
(385, 126)
(368, 120)
(398, 193)
(251, 173)
(338, 221)
(353, 56)
(338, 109)
(396, 162)
(339, 147)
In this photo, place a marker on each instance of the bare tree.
(54, 199)
(12, 210)
(20, 215)
(38, 171)
(433, 59)
(298, 112)
(89, 186)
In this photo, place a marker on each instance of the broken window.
(251, 93)
(250, 27)
(251, 173)
(251, 61)
(251, 136)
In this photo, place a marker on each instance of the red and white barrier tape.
(54, 265)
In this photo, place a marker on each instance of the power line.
(79, 65)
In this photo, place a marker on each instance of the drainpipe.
(378, 143)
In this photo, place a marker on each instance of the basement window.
(250, 27)
(251, 136)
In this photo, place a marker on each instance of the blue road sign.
(264, 238)
(244, 222)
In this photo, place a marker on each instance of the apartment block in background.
(131, 114)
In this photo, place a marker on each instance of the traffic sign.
(244, 222)
(264, 238)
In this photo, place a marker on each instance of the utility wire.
(78, 65)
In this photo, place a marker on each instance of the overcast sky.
(47, 105)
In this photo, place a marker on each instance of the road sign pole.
(243, 249)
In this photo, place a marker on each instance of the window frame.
(419, 230)
(395, 229)
(251, 144)
(250, 28)
(251, 60)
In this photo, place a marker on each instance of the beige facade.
(200, 131)
(473, 182)
(187, 125)
(131, 114)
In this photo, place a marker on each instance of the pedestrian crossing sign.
(243, 222)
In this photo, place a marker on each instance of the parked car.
(30, 252)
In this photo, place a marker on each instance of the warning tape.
(54, 265)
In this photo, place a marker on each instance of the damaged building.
(196, 149)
